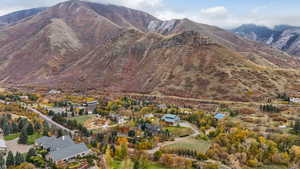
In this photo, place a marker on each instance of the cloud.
(215, 12)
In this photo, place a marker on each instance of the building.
(219, 116)
(53, 91)
(295, 100)
(148, 116)
(62, 149)
(91, 106)
(171, 119)
(3, 147)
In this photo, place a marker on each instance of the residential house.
(91, 106)
(219, 116)
(171, 119)
(148, 116)
(62, 149)
(53, 91)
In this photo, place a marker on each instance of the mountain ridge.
(78, 45)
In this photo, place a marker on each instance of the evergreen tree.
(19, 158)
(23, 137)
(296, 127)
(30, 154)
(15, 128)
(6, 129)
(2, 162)
(10, 160)
(29, 129)
(59, 133)
(37, 125)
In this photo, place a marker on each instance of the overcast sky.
(222, 13)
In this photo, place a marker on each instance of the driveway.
(179, 139)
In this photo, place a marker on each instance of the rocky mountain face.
(81, 45)
(283, 37)
(19, 15)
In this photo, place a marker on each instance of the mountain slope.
(283, 37)
(80, 45)
(19, 15)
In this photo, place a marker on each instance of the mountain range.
(80, 45)
(283, 37)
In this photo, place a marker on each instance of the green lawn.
(200, 146)
(83, 118)
(179, 131)
(272, 167)
(31, 139)
(11, 136)
(118, 164)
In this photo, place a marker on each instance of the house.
(91, 106)
(295, 100)
(170, 119)
(148, 116)
(162, 106)
(53, 91)
(219, 116)
(3, 147)
(62, 149)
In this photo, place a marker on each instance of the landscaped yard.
(83, 118)
(31, 139)
(151, 165)
(272, 167)
(11, 136)
(179, 131)
(191, 144)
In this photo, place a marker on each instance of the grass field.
(179, 131)
(83, 118)
(31, 139)
(11, 136)
(200, 146)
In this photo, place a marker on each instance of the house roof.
(69, 152)
(171, 118)
(54, 143)
(219, 116)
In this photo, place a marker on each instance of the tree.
(30, 154)
(108, 157)
(59, 133)
(2, 162)
(10, 160)
(296, 126)
(23, 137)
(19, 158)
(30, 129)
(6, 129)
(157, 155)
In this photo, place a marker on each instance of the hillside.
(80, 45)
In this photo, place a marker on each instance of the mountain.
(283, 37)
(19, 15)
(80, 45)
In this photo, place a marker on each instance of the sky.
(223, 13)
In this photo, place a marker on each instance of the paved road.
(49, 120)
(183, 124)
(46, 118)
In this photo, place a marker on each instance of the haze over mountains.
(79, 45)
(283, 37)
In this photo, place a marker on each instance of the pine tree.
(19, 158)
(2, 162)
(6, 129)
(30, 154)
(23, 137)
(10, 160)
(30, 129)
(296, 127)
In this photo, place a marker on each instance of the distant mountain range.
(80, 45)
(283, 37)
